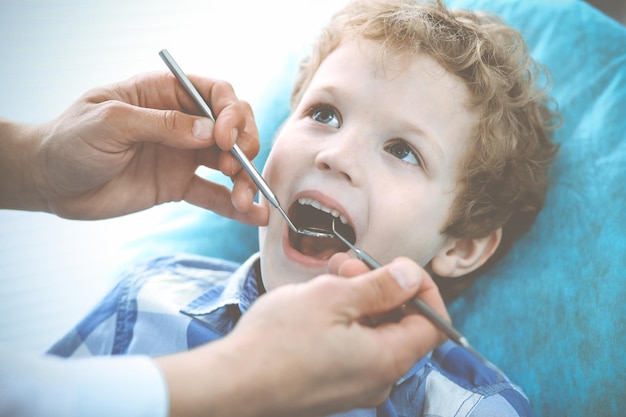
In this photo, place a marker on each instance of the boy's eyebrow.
(418, 131)
(331, 90)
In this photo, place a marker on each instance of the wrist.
(222, 379)
(196, 382)
(19, 167)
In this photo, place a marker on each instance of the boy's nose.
(343, 156)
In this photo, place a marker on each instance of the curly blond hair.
(504, 175)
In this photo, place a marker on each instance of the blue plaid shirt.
(175, 303)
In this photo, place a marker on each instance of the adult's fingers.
(344, 265)
(218, 198)
(386, 288)
(164, 111)
(234, 120)
(178, 130)
(167, 127)
(243, 191)
(236, 124)
(413, 335)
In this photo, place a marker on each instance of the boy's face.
(381, 146)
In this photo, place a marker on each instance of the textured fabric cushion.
(551, 314)
(554, 308)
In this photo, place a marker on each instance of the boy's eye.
(404, 152)
(325, 114)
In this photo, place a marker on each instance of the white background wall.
(52, 271)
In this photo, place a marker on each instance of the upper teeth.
(335, 213)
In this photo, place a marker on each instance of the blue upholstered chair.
(552, 314)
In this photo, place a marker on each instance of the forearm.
(213, 380)
(19, 168)
(245, 377)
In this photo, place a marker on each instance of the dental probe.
(416, 302)
(235, 150)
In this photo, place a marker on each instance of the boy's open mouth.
(309, 214)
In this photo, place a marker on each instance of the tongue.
(321, 248)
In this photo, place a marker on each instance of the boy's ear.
(460, 256)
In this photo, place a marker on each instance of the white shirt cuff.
(128, 386)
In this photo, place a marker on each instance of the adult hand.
(131, 145)
(303, 349)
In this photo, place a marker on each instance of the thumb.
(172, 128)
(386, 288)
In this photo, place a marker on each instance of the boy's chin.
(279, 276)
(293, 260)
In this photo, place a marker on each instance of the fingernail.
(202, 129)
(233, 135)
(235, 203)
(404, 275)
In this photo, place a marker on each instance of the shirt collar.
(415, 368)
(216, 306)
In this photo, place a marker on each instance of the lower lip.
(298, 257)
